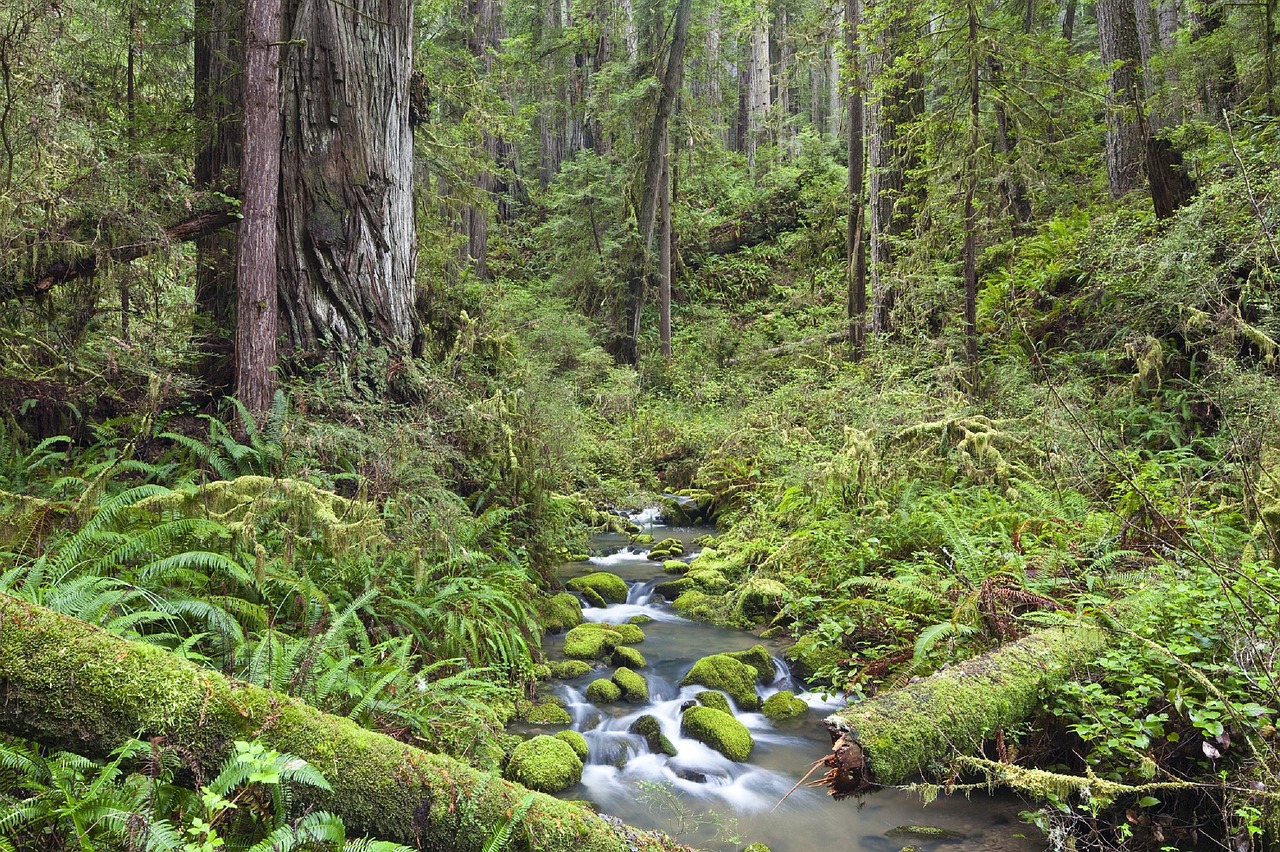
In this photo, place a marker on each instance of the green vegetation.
(720, 671)
(782, 706)
(719, 730)
(546, 764)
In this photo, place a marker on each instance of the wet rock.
(639, 619)
(782, 706)
(633, 686)
(758, 657)
(696, 604)
(592, 641)
(760, 599)
(570, 669)
(651, 729)
(722, 672)
(714, 699)
(923, 832)
(547, 713)
(577, 742)
(808, 655)
(672, 589)
(603, 692)
(642, 538)
(686, 774)
(609, 587)
(718, 730)
(666, 549)
(675, 566)
(624, 655)
(546, 764)
(559, 613)
(685, 705)
(756, 847)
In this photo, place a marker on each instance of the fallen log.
(70, 685)
(892, 736)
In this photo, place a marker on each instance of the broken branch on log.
(73, 686)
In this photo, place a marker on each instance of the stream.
(703, 798)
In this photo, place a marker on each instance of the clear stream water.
(707, 800)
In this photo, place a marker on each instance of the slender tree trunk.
(256, 308)
(970, 209)
(1217, 64)
(218, 60)
(350, 248)
(664, 261)
(855, 253)
(833, 91)
(758, 98)
(1269, 55)
(1069, 21)
(1120, 50)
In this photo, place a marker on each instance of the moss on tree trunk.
(73, 686)
(887, 738)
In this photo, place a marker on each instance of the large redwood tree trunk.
(1121, 52)
(348, 244)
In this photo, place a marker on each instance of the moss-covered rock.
(666, 549)
(559, 613)
(603, 691)
(675, 566)
(719, 730)
(593, 598)
(708, 578)
(759, 658)
(546, 764)
(756, 847)
(610, 587)
(720, 671)
(760, 599)
(687, 506)
(593, 641)
(633, 685)
(699, 605)
(625, 655)
(782, 706)
(809, 655)
(570, 669)
(639, 619)
(711, 698)
(651, 729)
(924, 832)
(673, 589)
(642, 538)
(577, 742)
(547, 713)
(541, 671)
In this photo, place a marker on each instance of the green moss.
(782, 706)
(924, 832)
(624, 655)
(610, 587)
(603, 692)
(666, 549)
(639, 619)
(719, 730)
(570, 669)
(809, 655)
(559, 613)
(760, 599)
(708, 579)
(592, 641)
(546, 764)
(720, 671)
(594, 599)
(711, 698)
(699, 605)
(633, 685)
(577, 742)
(642, 538)
(547, 713)
(675, 566)
(756, 847)
(759, 658)
(673, 589)
(541, 671)
(651, 729)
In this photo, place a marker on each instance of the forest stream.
(705, 799)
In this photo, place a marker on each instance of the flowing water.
(707, 800)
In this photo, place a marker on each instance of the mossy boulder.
(675, 566)
(609, 587)
(593, 641)
(782, 706)
(625, 655)
(722, 672)
(673, 589)
(642, 538)
(759, 658)
(666, 549)
(809, 655)
(593, 598)
(603, 691)
(698, 604)
(719, 730)
(756, 847)
(687, 506)
(708, 578)
(651, 729)
(546, 764)
(570, 669)
(639, 619)
(760, 599)
(547, 713)
(541, 671)
(711, 698)
(577, 742)
(559, 613)
(632, 684)
(924, 832)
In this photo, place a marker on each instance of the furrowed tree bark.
(256, 302)
(348, 245)
(888, 738)
(759, 91)
(69, 685)
(1121, 54)
(970, 210)
(664, 249)
(855, 252)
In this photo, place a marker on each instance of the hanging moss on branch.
(72, 686)
(885, 739)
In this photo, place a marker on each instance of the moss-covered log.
(73, 686)
(885, 739)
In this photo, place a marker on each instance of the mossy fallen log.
(885, 739)
(73, 686)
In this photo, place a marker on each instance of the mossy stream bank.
(698, 794)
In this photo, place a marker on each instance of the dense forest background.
(329, 329)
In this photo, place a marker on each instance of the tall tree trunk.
(970, 209)
(664, 253)
(1120, 50)
(855, 253)
(1217, 64)
(256, 303)
(759, 98)
(1269, 55)
(1069, 21)
(349, 252)
(218, 59)
(895, 103)
(833, 91)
